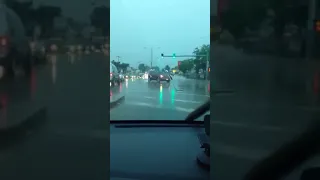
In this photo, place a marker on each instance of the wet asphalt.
(74, 92)
(159, 101)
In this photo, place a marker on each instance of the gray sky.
(175, 26)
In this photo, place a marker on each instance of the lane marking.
(189, 94)
(178, 100)
(188, 110)
(177, 108)
(177, 93)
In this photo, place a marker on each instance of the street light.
(151, 54)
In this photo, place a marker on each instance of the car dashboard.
(157, 151)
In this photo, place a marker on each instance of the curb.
(115, 103)
(11, 135)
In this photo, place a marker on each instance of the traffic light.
(161, 55)
(174, 55)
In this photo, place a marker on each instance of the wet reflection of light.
(126, 83)
(209, 87)
(161, 95)
(316, 83)
(3, 110)
(172, 96)
(120, 87)
(33, 83)
(53, 68)
(72, 58)
(1, 72)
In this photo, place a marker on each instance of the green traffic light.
(174, 55)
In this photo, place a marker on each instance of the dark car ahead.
(159, 76)
(153, 75)
(15, 51)
(164, 77)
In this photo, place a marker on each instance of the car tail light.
(110, 74)
(4, 46)
(4, 41)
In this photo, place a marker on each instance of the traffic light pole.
(207, 56)
(151, 57)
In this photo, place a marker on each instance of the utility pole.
(151, 60)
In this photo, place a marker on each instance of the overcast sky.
(169, 26)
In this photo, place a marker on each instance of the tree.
(186, 65)
(25, 12)
(100, 19)
(44, 16)
(242, 15)
(167, 68)
(201, 62)
(124, 67)
(120, 66)
(156, 68)
(248, 14)
(147, 68)
(142, 67)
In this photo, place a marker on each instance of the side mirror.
(311, 174)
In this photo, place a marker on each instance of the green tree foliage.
(199, 62)
(186, 65)
(142, 67)
(167, 68)
(100, 19)
(43, 16)
(120, 66)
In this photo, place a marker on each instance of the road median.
(115, 101)
(18, 127)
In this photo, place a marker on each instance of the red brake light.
(3, 41)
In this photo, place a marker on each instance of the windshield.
(158, 38)
(261, 52)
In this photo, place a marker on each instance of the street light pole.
(151, 54)
(151, 57)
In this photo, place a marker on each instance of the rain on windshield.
(161, 51)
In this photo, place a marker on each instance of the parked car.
(114, 75)
(15, 51)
